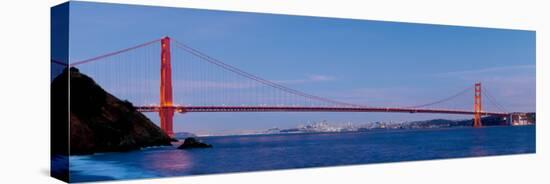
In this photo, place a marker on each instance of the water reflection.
(478, 147)
(167, 162)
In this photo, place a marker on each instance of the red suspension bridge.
(191, 81)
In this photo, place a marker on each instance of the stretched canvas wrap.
(144, 92)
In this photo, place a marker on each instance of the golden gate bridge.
(191, 81)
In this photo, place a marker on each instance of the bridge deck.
(185, 109)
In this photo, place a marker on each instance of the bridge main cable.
(442, 100)
(256, 78)
(114, 53)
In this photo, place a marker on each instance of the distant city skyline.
(359, 61)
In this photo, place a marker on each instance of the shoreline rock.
(191, 142)
(99, 121)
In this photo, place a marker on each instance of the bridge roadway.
(184, 109)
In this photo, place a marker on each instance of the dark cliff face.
(100, 122)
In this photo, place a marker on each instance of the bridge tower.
(477, 105)
(166, 111)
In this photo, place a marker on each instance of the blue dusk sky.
(358, 61)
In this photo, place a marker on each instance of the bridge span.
(139, 75)
(185, 109)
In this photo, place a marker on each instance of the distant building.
(517, 119)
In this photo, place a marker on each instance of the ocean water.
(268, 152)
